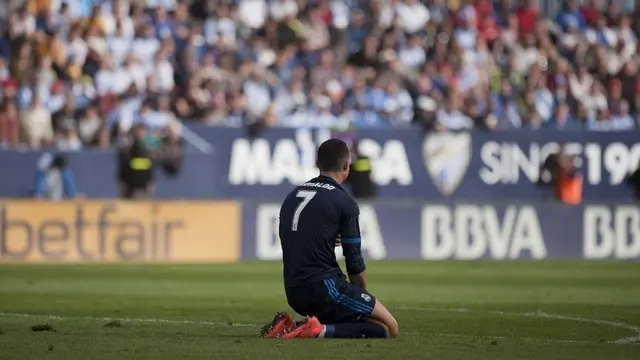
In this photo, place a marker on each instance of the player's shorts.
(332, 301)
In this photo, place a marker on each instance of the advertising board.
(407, 164)
(472, 231)
(32, 231)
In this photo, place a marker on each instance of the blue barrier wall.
(406, 164)
(95, 173)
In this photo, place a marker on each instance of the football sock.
(323, 332)
(355, 330)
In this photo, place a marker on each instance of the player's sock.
(323, 332)
(355, 330)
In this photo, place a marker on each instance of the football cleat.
(281, 324)
(310, 329)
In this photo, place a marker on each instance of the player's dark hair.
(332, 155)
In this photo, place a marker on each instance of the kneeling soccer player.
(314, 218)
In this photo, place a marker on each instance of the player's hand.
(338, 241)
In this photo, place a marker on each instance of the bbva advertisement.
(472, 231)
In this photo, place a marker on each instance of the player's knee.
(382, 315)
(392, 327)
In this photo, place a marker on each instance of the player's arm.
(351, 246)
(359, 280)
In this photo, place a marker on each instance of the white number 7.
(306, 196)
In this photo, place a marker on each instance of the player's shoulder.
(350, 205)
(290, 199)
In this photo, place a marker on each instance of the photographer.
(360, 175)
(141, 154)
(136, 166)
(171, 151)
(560, 172)
(634, 181)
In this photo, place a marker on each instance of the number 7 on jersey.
(306, 197)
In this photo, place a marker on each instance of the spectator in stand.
(563, 119)
(591, 10)
(571, 16)
(101, 67)
(89, 125)
(527, 17)
(67, 138)
(36, 123)
(9, 125)
(450, 117)
(412, 15)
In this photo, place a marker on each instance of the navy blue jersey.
(312, 216)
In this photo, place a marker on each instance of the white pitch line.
(496, 337)
(540, 314)
(138, 320)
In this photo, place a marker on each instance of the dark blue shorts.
(332, 301)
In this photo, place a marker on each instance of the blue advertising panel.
(408, 164)
(476, 166)
(471, 231)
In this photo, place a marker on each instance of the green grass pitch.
(446, 310)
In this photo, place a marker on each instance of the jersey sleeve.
(351, 239)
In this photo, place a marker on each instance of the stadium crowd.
(78, 73)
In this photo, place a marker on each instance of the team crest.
(365, 297)
(447, 157)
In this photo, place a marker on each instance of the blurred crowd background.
(84, 73)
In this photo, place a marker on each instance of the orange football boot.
(310, 329)
(281, 324)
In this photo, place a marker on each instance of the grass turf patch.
(446, 310)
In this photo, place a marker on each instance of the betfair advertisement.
(104, 231)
